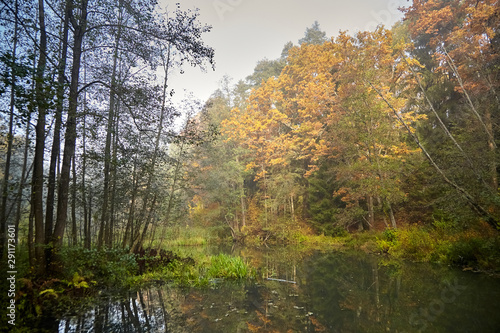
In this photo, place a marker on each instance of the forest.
(383, 140)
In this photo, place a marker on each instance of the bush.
(475, 252)
(415, 243)
(107, 267)
(387, 242)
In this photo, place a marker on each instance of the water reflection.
(320, 292)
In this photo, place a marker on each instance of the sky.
(246, 31)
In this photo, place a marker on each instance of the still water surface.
(301, 291)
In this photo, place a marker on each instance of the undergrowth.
(472, 248)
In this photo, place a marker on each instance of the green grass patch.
(227, 267)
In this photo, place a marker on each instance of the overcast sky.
(246, 31)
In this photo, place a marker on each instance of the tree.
(10, 135)
(41, 104)
(455, 43)
(218, 175)
(313, 35)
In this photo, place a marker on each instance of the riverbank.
(475, 248)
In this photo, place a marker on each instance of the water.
(316, 292)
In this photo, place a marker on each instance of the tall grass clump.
(223, 266)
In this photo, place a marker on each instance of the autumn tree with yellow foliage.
(370, 130)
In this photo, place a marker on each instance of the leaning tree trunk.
(471, 201)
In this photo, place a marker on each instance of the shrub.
(415, 244)
(107, 267)
(387, 242)
(476, 252)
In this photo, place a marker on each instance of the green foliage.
(313, 35)
(323, 205)
(388, 241)
(106, 267)
(478, 253)
(78, 282)
(443, 222)
(390, 234)
(416, 244)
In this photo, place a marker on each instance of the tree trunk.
(73, 205)
(56, 143)
(391, 215)
(474, 204)
(128, 235)
(37, 185)
(31, 249)
(111, 224)
(24, 176)
(371, 214)
(70, 141)
(379, 201)
(86, 208)
(10, 141)
(140, 237)
(104, 226)
(243, 210)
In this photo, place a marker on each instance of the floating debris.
(280, 280)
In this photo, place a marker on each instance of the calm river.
(308, 292)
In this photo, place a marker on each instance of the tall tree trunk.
(56, 143)
(10, 141)
(140, 237)
(111, 224)
(73, 205)
(242, 199)
(70, 141)
(86, 208)
(24, 176)
(31, 248)
(88, 241)
(37, 184)
(109, 138)
(31, 218)
(172, 192)
(128, 235)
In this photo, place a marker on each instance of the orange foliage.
(461, 35)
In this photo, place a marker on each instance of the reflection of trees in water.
(333, 293)
(143, 312)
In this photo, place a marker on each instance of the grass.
(186, 236)
(227, 267)
(204, 272)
